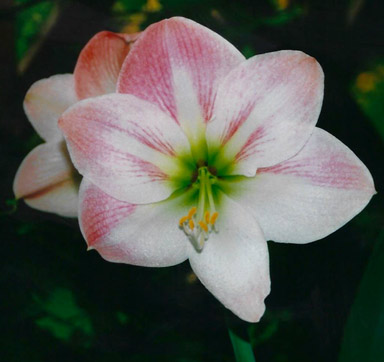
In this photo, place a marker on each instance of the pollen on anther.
(214, 217)
(183, 220)
(191, 224)
(192, 212)
(203, 225)
(207, 216)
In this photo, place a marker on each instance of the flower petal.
(47, 181)
(309, 196)
(125, 146)
(46, 100)
(100, 62)
(146, 235)
(177, 64)
(266, 109)
(234, 264)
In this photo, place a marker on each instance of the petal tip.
(253, 316)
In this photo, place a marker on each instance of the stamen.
(192, 212)
(203, 225)
(207, 216)
(200, 221)
(183, 220)
(201, 241)
(187, 230)
(214, 217)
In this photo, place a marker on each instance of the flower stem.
(241, 348)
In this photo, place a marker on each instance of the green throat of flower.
(200, 221)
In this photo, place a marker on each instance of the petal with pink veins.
(47, 181)
(46, 100)
(146, 235)
(177, 64)
(100, 62)
(310, 195)
(266, 109)
(126, 146)
(234, 264)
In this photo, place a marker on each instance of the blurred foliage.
(61, 315)
(261, 333)
(134, 13)
(285, 12)
(364, 332)
(353, 10)
(248, 337)
(32, 24)
(368, 91)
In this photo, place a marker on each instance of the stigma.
(198, 229)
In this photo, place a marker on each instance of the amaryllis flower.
(205, 155)
(46, 179)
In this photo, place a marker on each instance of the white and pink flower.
(46, 179)
(204, 155)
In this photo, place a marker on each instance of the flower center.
(200, 220)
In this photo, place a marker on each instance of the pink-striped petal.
(47, 181)
(266, 109)
(126, 146)
(234, 264)
(177, 64)
(310, 195)
(146, 235)
(100, 62)
(46, 100)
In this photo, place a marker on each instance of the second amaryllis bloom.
(205, 155)
(46, 179)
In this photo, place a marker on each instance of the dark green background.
(61, 303)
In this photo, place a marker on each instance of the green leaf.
(242, 348)
(364, 331)
(62, 316)
(368, 90)
(32, 24)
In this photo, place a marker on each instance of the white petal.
(146, 235)
(234, 264)
(126, 146)
(177, 64)
(46, 100)
(47, 180)
(310, 195)
(266, 109)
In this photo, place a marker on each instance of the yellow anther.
(192, 212)
(183, 220)
(203, 225)
(191, 224)
(214, 217)
(207, 216)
